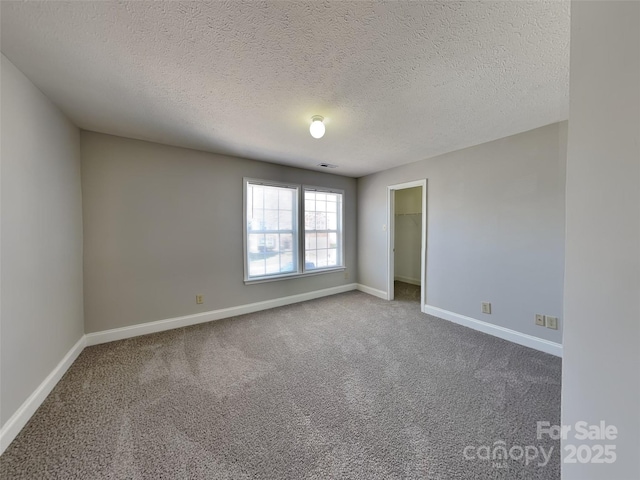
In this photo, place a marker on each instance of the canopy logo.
(498, 454)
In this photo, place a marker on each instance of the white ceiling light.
(317, 127)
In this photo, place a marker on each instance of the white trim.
(372, 291)
(412, 281)
(391, 242)
(187, 320)
(19, 419)
(530, 341)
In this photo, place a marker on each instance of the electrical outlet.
(540, 320)
(486, 308)
(552, 322)
(346, 275)
(199, 299)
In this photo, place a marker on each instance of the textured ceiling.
(397, 82)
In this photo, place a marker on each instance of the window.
(274, 245)
(322, 229)
(271, 236)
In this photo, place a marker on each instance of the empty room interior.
(320, 239)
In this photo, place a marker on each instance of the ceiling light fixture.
(317, 127)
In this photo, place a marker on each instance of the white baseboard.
(20, 418)
(187, 320)
(372, 291)
(505, 333)
(412, 281)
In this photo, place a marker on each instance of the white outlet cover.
(551, 322)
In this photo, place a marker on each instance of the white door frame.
(391, 238)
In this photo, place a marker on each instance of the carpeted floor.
(348, 386)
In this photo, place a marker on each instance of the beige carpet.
(347, 386)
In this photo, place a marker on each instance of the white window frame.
(298, 231)
(340, 229)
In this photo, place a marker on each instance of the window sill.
(290, 276)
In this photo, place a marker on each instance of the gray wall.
(495, 221)
(41, 313)
(601, 379)
(162, 224)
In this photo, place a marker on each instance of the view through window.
(322, 213)
(271, 229)
(274, 247)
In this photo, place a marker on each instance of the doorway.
(407, 239)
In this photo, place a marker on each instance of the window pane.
(280, 263)
(258, 197)
(256, 242)
(332, 257)
(321, 221)
(272, 210)
(271, 197)
(309, 221)
(310, 259)
(285, 200)
(322, 212)
(271, 219)
(310, 205)
(333, 240)
(332, 221)
(321, 240)
(310, 241)
(256, 268)
(285, 221)
(256, 221)
(286, 244)
(255, 247)
(321, 258)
